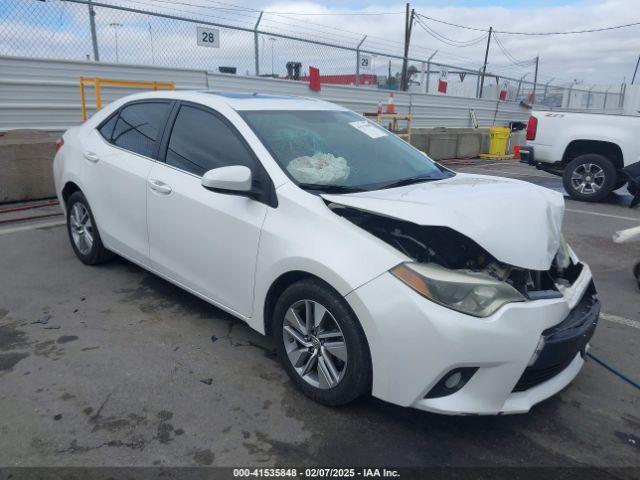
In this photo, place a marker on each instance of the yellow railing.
(107, 82)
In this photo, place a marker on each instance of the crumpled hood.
(517, 222)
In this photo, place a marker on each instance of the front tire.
(590, 177)
(83, 232)
(321, 344)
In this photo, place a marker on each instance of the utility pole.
(408, 23)
(535, 81)
(255, 44)
(635, 71)
(115, 26)
(486, 57)
(94, 36)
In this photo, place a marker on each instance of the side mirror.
(236, 178)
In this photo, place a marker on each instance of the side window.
(139, 126)
(106, 130)
(201, 141)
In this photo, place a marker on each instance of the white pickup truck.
(588, 150)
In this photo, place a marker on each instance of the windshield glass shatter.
(340, 149)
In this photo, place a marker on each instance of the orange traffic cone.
(390, 106)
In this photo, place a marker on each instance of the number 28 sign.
(208, 37)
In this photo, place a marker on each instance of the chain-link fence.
(176, 35)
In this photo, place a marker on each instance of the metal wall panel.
(44, 94)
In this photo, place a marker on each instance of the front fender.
(304, 235)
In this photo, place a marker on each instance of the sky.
(594, 58)
(55, 28)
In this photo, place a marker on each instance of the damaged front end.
(452, 269)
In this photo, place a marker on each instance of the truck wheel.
(590, 177)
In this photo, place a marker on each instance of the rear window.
(139, 126)
(106, 130)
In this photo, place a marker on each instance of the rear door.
(205, 240)
(119, 159)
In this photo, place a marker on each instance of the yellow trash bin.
(498, 140)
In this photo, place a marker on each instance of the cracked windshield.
(332, 150)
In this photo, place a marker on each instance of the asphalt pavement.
(110, 365)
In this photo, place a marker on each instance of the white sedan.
(374, 269)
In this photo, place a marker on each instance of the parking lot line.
(517, 174)
(620, 320)
(620, 217)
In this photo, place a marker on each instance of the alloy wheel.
(81, 228)
(587, 178)
(315, 344)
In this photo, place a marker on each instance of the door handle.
(92, 157)
(160, 187)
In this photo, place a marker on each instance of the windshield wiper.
(330, 188)
(408, 181)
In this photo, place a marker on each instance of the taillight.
(59, 143)
(532, 128)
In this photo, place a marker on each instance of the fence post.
(429, 70)
(569, 96)
(255, 44)
(423, 66)
(589, 97)
(358, 61)
(94, 36)
(623, 91)
(606, 94)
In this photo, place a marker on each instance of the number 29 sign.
(208, 37)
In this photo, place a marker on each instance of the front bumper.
(414, 343)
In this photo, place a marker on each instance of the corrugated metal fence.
(44, 94)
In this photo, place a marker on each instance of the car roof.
(244, 100)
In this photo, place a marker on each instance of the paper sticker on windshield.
(369, 129)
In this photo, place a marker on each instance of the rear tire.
(318, 316)
(590, 177)
(83, 232)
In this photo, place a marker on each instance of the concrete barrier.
(446, 143)
(25, 165)
(26, 157)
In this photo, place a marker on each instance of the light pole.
(115, 26)
(153, 54)
(273, 41)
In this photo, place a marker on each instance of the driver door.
(205, 240)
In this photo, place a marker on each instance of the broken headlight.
(473, 293)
